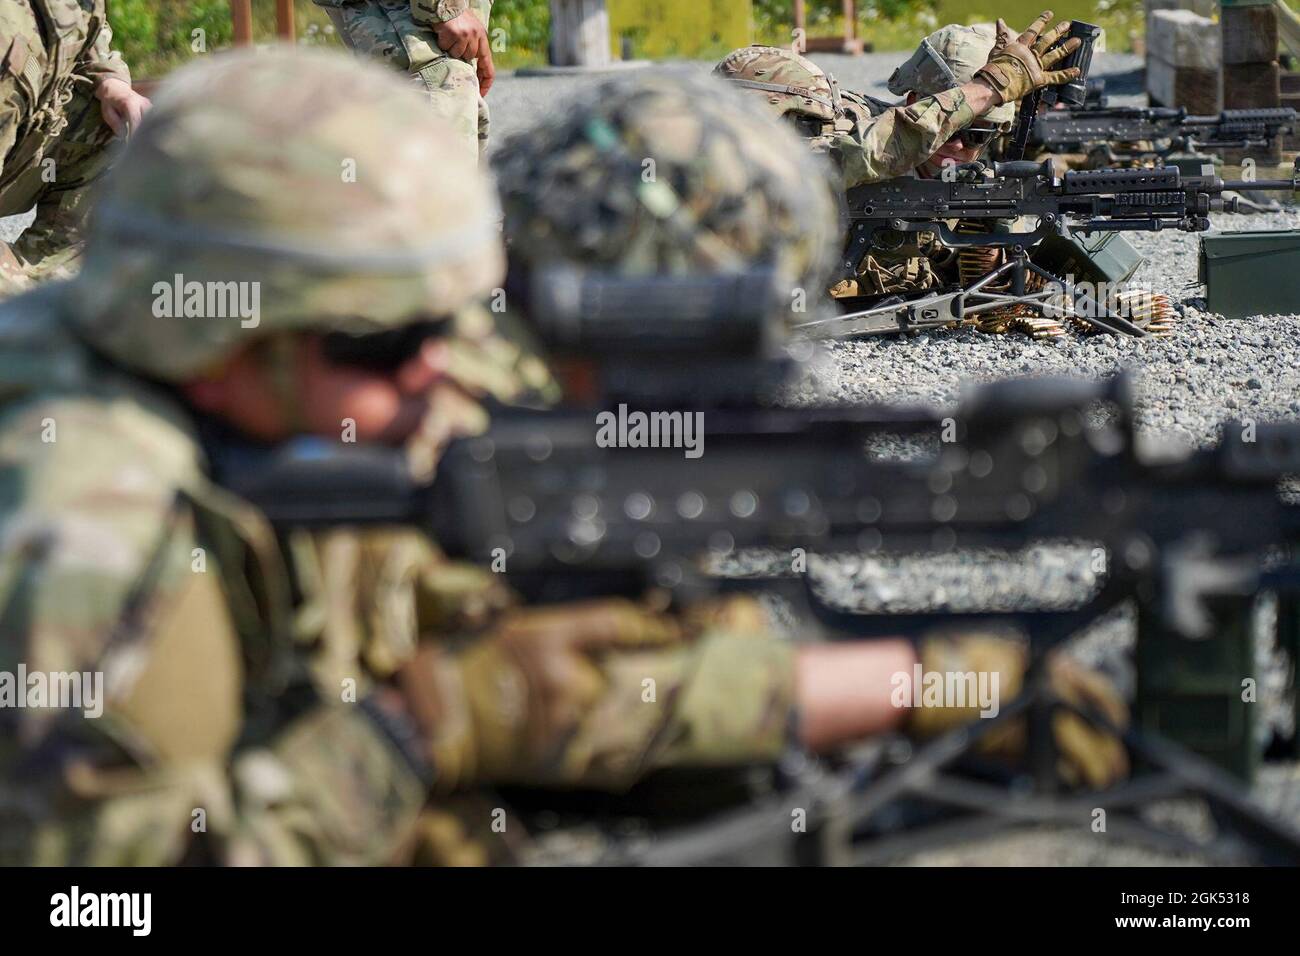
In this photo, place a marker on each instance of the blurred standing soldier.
(64, 94)
(442, 44)
(299, 700)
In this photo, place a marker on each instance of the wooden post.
(801, 23)
(849, 43)
(284, 19)
(579, 33)
(241, 16)
(1251, 76)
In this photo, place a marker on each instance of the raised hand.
(1018, 65)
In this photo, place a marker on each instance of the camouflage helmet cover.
(321, 181)
(671, 174)
(791, 83)
(949, 57)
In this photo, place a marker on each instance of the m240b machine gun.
(566, 513)
(1104, 131)
(880, 215)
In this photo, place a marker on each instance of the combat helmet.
(793, 86)
(950, 57)
(318, 184)
(668, 174)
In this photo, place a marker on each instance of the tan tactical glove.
(1088, 757)
(1018, 65)
(504, 709)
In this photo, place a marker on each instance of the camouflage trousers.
(386, 30)
(51, 168)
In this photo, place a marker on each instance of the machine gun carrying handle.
(1075, 93)
(1023, 169)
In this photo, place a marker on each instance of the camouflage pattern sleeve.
(432, 12)
(898, 140)
(11, 116)
(100, 61)
(726, 699)
(600, 693)
(104, 574)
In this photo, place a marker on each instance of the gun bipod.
(965, 306)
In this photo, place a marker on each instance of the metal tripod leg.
(1018, 268)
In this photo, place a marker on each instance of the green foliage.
(775, 16)
(899, 24)
(525, 26)
(157, 35)
(135, 28)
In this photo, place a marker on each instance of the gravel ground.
(1209, 370)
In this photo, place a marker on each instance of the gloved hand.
(1088, 756)
(504, 709)
(1018, 65)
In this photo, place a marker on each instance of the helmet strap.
(788, 90)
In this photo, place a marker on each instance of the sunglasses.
(381, 351)
(979, 135)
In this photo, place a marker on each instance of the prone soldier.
(949, 118)
(961, 85)
(301, 699)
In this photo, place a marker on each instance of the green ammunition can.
(1251, 273)
(1098, 257)
(1288, 639)
(1192, 691)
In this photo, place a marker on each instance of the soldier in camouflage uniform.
(667, 175)
(64, 93)
(442, 44)
(869, 140)
(959, 79)
(302, 700)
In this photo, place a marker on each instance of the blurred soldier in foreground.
(301, 700)
(442, 44)
(64, 95)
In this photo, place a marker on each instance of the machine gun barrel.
(546, 491)
(1165, 129)
(1086, 200)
